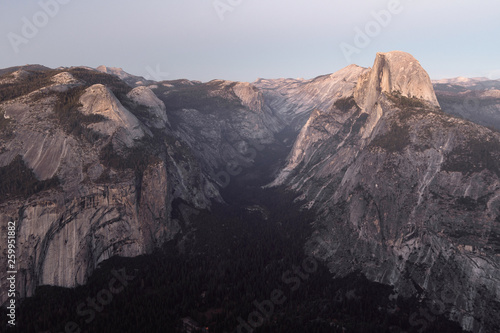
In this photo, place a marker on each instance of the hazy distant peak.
(460, 80)
(349, 72)
(131, 80)
(351, 67)
(263, 81)
(115, 71)
(218, 81)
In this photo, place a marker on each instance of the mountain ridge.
(374, 157)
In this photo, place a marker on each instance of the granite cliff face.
(221, 122)
(145, 97)
(113, 180)
(99, 100)
(395, 72)
(404, 193)
(295, 99)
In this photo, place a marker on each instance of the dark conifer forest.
(239, 255)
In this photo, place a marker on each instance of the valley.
(361, 201)
(228, 263)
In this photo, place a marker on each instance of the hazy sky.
(246, 39)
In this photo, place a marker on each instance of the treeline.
(115, 84)
(137, 158)
(202, 97)
(35, 81)
(395, 140)
(405, 102)
(474, 156)
(345, 104)
(17, 180)
(71, 119)
(41, 78)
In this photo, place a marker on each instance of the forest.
(17, 180)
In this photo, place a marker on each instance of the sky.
(243, 40)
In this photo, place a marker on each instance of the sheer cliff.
(92, 168)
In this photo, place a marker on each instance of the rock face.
(294, 99)
(222, 123)
(116, 181)
(62, 240)
(99, 100)
(395, 72)
(145, 97)
(43, 149)
(404, 193)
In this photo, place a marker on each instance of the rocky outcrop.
(145, 97)
(99, 100)
(64, 78)
(17, 75)
(403, 194)
(395, 72)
